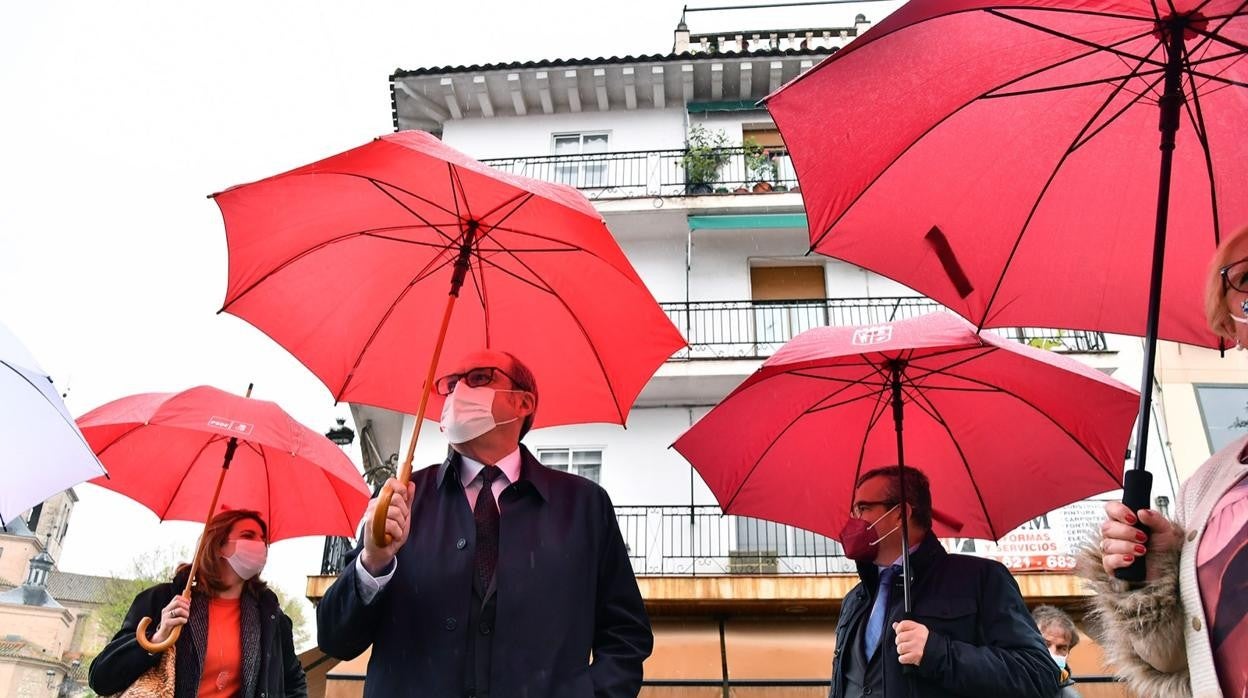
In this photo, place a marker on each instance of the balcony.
(756, 329)
(649, 173)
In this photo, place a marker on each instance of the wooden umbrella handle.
(140, 633)
(380, 537)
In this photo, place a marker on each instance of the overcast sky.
(118, 118)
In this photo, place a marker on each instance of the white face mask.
(469, 412)
(248, 558)
(1061, 661)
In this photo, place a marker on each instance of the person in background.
(1061, 636)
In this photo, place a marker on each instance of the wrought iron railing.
(701, 540)
(646, 173)
(756, 329)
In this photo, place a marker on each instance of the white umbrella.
(41, 450)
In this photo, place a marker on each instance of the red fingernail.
(1139, 535)
(1139, 549)
(1128, 558)
(1131, 518)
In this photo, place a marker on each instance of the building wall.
(1179, 369)
(49, 628)
(525, 136)
(15, 554)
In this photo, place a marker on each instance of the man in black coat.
(970, 632)
(515, 580)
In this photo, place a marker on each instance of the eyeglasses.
(473, 378)
(861, 508)
(1235, 275)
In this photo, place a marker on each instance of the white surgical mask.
(1061, 661)
(469, 412)
(248, 558)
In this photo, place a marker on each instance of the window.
(577, 165)
(1224, 411)
(787, 301)
(586, 462)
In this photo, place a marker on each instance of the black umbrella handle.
(1137, 489)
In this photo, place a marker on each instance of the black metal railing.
(701, 540)
(756, 329)
(646, 173)
(334, 554)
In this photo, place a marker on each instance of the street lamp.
(342, 434)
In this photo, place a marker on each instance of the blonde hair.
(1216, 313)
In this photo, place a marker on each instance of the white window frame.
(581, 174)
(571, 466)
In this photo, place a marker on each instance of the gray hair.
(1046, 615)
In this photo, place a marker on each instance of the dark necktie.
(485, 515)
(879, 611)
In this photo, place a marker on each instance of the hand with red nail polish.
(1121, 542)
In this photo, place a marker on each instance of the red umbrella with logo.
(187, 456)
(1003, 158)
(1005, 432)
(354, 265)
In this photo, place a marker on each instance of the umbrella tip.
(249, 387)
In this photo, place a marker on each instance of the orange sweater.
(222, 676)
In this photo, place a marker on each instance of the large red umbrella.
(1004, 432)
(190, 455)
(353, 264)
(1002, 158)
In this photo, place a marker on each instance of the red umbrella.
(348, 262)
(1001, 159)
(171, 452)
(1005, 432)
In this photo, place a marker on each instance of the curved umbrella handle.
(155, 647)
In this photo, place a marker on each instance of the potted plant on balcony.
(760, 165)
(704, 155)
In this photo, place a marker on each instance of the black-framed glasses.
(1235, 275)
(863, 507)
(473, 378)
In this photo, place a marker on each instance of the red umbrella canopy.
(347, 263)
(1027, 133)
(165, 451)
(1004, 432)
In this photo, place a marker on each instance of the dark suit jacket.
(564, 591)
(981, 638)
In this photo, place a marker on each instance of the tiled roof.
(83, 588)
(652, 58)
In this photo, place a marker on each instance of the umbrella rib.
(436, 245)
(584, 334)
(378, 185)
(940, 419)
(1036, 204)
(430, 268)
(268, 490)
(881, 406)
(478, 282)
(1108, 48)
(933, 127)
(758, 461)
(457, 191)
(1087, 138)
(128, 432)
(1073, 85)
(517, 277)
(1196, 115)
(368, 232)
(187, 473)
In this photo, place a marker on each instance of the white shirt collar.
(510, 465)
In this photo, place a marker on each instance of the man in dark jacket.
(514, 581)
(970, 633)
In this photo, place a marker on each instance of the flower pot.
(760, 187)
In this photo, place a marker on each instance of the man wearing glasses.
(971, 633)
(515, 580)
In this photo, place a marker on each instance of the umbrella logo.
(230, 425)
(878, 334)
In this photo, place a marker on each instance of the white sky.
(118, 118)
